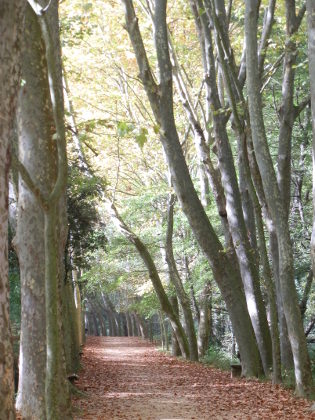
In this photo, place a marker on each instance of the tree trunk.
(36, 146)
(311, 60)
(245, 253)
(56, 386)
(224, 274)
(57, 398)
(142, 326)
(129, 326)
(161, 100)
(286, 274)
(177, 282)
(154, 276)
(71, 339)
(175, 346)
(11, 18)
(78, 306)
(204, 323)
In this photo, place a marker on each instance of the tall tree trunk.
(11, 23)
(177, 282)
(278, 213)
(204, 323)
(245, 253)
(36, 146)
(311, 61)
(285, 346)
(57, 398)
(142, 326)
(78, 305)
(175, 346)
(161, 100)
(129, 326)
(154, 276)
(186, 192)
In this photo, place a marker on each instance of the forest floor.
(127, 378)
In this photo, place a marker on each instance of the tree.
(216, 145)
(51, 200)
(161, 100)
(311, 58)
(11, 23)
(276, 205)
(35, 122)
(155, 278)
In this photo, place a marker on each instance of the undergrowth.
(218, 358)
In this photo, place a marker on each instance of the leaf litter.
(126, 378)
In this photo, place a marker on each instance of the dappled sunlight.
(126, 378)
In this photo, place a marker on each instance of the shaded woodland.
(157, 180)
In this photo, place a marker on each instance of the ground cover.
(128, 378)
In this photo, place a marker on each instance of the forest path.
(127, 378)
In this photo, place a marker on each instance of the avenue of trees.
(156, 181)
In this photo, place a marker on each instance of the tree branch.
(18, 165)
(146, 74)
(301, 106)
(56, 97)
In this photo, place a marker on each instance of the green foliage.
(86, 229)
(142, 137)
(15, 297)
(147, 306)
(120, 138)
(124, 128)
(218, 358)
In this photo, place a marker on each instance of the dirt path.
(126, 378)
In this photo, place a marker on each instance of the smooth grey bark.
(287, 112)
(11, 24)
(285, 347)
(200, 137)
(204, 322)
(71, 338)
(173, 300)
(306, 293)
(154, 276)
(245, 253)
(35, 120)
(193, 299)
(161, 101)
(311, 61)
(175, 346)
(78, 305)
(164, 338)
(177, 282)
(57, 397)
(278, 213)
(250, 203)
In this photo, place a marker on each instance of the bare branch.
(301, 106)
(146, 74)
(268, 22)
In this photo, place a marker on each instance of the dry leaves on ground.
(127, 378)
